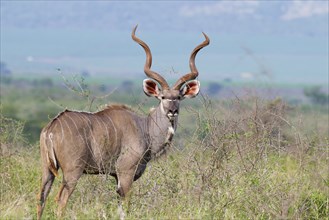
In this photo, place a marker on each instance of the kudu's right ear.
(151, 88)
(191, 89)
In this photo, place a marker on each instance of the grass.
(234, 159)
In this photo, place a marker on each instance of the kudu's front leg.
(125, 179)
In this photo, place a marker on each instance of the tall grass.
(245, 159)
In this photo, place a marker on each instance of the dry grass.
(246, 159)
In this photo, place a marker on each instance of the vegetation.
(316, 95)
(242, 158)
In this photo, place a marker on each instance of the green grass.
(235, 159)
(242, 158)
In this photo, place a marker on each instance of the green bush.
(316, 95)
(11, 134)
(314, 205)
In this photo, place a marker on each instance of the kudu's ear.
(191, 89)
(151, 88)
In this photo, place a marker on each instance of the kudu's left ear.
(151, 88)
(191, 89)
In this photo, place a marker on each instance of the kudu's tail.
(48, 147)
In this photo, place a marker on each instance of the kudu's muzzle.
(171, 108)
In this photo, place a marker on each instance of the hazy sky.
(230, 16)
(287, 38)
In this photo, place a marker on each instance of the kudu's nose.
(172, 114)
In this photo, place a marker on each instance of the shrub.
(246, 159)
(314, 205)
(316, 95)
(11, 134)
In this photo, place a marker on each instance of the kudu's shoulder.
(117, 112)
(118, 107)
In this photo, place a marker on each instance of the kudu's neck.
(160, 130)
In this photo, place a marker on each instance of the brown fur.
(114, 140)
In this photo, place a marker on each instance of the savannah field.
(243, 157)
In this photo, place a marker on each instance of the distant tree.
(227, 80)
(127, 85)
(85, 74)
(5, 73)
(102, 88)
(47, 82)
(214, 88)
(316, 95)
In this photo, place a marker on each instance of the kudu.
(115, 140)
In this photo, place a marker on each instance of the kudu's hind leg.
(70, 180)
(59, 192)
(46, 183)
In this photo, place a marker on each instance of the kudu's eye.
(162, 97)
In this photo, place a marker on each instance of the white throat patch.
(171, 130)
(170, 135)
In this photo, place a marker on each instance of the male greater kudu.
(115, 140)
